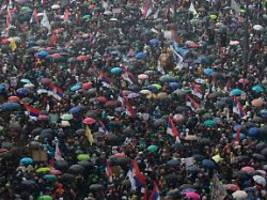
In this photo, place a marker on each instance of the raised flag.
(34, 112)
(140, 179)
(196, 90)
(58, 154)
(147, 9)
(89, 135)
(192, 9)
(193, 104)
(67, 14)
(109, 172)
(172, 130)
(35, 18)
(238, 108)
(45, 22)
(130, 175)
(155, 192)
(129, 108)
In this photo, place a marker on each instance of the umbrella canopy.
(236, 92)
(75, 110)
(67, 117)
(253, 131)
(240, 195)
(192, 195)
(167, 78)
(50, 177)
(248, 169)
(10, 106)
(209, 164)
(152, 148)
(26, 161)
(76, 169)
(259, 180)
(208, 71)
(258, 89)
(76, 87)
(43, 170)
(210, 123)
(82, 157)
(96, 187)
(42, 54)
(45, 197)
(259, 102)
(140, 55)
(89, 121)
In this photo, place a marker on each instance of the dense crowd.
(131, 99)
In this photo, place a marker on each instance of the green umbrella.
(43, 170)
(158, 86)
(213, 17)
(67, 117)
(45, 197)
(82, 157)
(152, 148)
(86, 18)
(26, 9)
(209, 123)
(258, 88)
(50, 177)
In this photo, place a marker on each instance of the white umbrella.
(55, 7)
(258, 27)
(259, 180)
(240, 195)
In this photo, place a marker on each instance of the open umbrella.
(43, 170)
(236, 92)
(210, 123)
(42, 54)
(75, 110)
(45, 197)
(140, 55)
(67, 117)
(10, 106)
(209, 164)
(167, 78)
(26, 161)
(89, 121)
(192, 195)
(253, 132)
(50, 177)
(82, 157)
(259, 180)
(208, 71)
(76, 169)
(259, 102)
(258, 89)
(248, 169)
(240, 195)
(96, 187)
(152, 148)
(76, 87)
(116, 70)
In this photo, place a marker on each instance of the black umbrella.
(261, 146)
(67, 177)
(258, 156)
(96, 187)
(76, 169)
(62, 165)
(264, 152)
(86, 164)
(173, 163)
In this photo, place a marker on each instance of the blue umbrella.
(263, 113)
(209, 164)
(42, 54)
(181, 50)
(154, 42)
(26, 161)
(236, 92)
(167, 78)
(2, 88)
(75, 110)
(10, 106)
(202, 60)
(236, 127)
(25, 80)
(258, 89)
(76, 87)
(208, 71)
(140, 55)
(174, 85)
(116, 70)
(22, 92)
(253, 131)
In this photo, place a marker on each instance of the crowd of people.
(133, 100)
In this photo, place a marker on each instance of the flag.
(196, 90)
(56, 89)
(58, 155)
(35, 17)
(54, 38)
(217, 190)
(45, 22)
(34, 112)
(139, 177)
(67, 14)
(129, 109)
(147, 9)
(192, 9)
(172, 130)
(235, 6)
(238, 131)
(130, 175)
(109, 172)
(88, 134)
(43, 2)
(9, 16)
(193, 104)
(12, 44)
(155, 192)
(238, 108)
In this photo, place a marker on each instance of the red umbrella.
(101, 99)
(257, 102)
(178, 118)
(56, 55)
(87, 86)
(89, 121)
(46, 81)
(14, 99)
(43, 117)
(82, 58)
(112, 103)
(248, 169)
(231, 187)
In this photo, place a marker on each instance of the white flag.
(192, 9)
(45, 22)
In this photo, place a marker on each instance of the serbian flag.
(238, 108)
(155, 192)
(58, 155)
(196, 90)
(129, 109)
(67, 14)
(109, 172)
(193, 104)
(34, 112)
(139, 177)
(238, 132)
(147, 9)
(54, 38)
(9, 16)
(172, 130)
(35, 17)
(53, 87)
